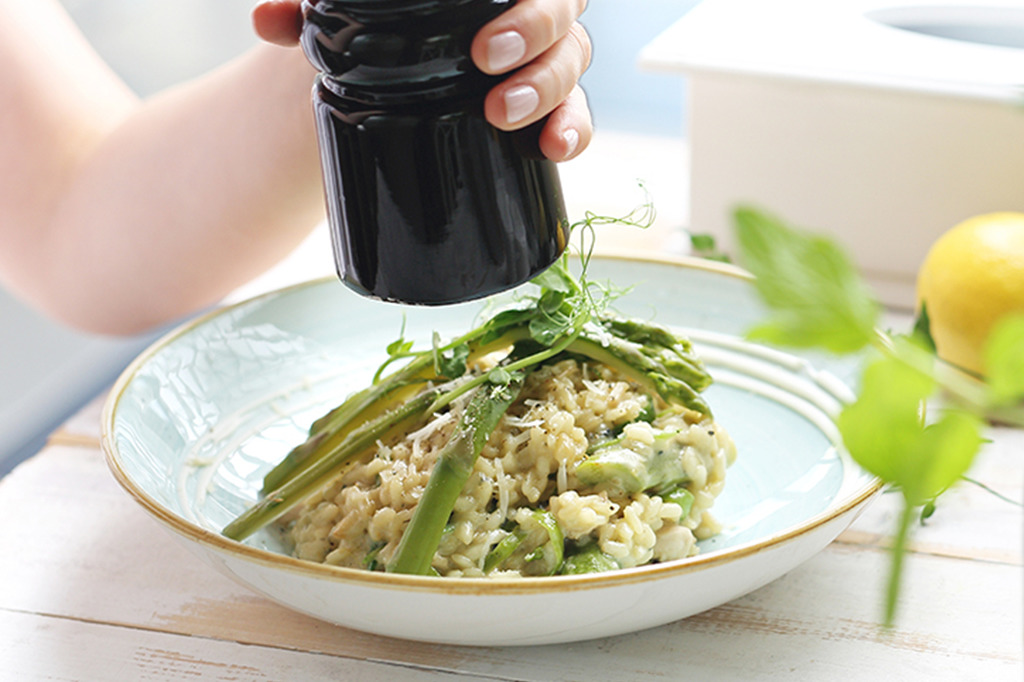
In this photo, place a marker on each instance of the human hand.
(539, 43)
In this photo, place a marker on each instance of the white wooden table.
(92, 589)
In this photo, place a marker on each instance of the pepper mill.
(427, 203)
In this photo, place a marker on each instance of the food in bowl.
(554, 438)
(578, 475)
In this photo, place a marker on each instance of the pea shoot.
(818, 300)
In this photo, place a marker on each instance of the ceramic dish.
(194, 423)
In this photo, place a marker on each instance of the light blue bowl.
(196, 421)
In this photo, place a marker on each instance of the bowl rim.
(461, 586)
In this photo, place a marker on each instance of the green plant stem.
(899, 550)
(991, 491)
(959, 386)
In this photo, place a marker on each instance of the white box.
(828, 115)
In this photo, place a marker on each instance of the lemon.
(971, 278)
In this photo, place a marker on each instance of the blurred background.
(155, 44)
(47, 372)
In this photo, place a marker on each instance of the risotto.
(584, 472)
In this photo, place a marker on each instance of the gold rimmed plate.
(196, 421)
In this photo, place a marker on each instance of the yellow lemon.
(972, 277)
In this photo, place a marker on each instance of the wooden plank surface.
(38, 648)
(82, 557)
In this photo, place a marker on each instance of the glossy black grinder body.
(427, 202)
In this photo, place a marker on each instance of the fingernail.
(571, 138)
(520, 102)
(504, 50)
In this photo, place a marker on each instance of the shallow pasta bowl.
(196, 421)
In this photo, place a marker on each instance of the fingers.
(548, 85)
(551, 50)
(541, 38)
(524, 32)
(568, 129)
(278, 21)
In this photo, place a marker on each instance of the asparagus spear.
(662, 347)
(589, 559)
(454, 465)
(676, 377)
(317, 470)
(544, 558)
(328, 431)
(304, 483)
(615, 467)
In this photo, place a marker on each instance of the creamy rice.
(528, 464)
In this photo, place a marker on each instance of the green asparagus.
(631, 467)
(454, 465)
(588, 559)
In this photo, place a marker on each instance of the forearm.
(195, 192)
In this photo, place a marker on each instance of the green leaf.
(927, 511)
(884, 423)
(499, 376)
(556, 278)
(884, 432)
(452, 363)
(1004, 361)
(703, 242)
(547, 330)
(814, 290)
(923, 329)
(943, 453)
(494, 328)
(399, 347)
(706, 246)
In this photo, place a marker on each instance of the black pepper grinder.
(427, 202)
